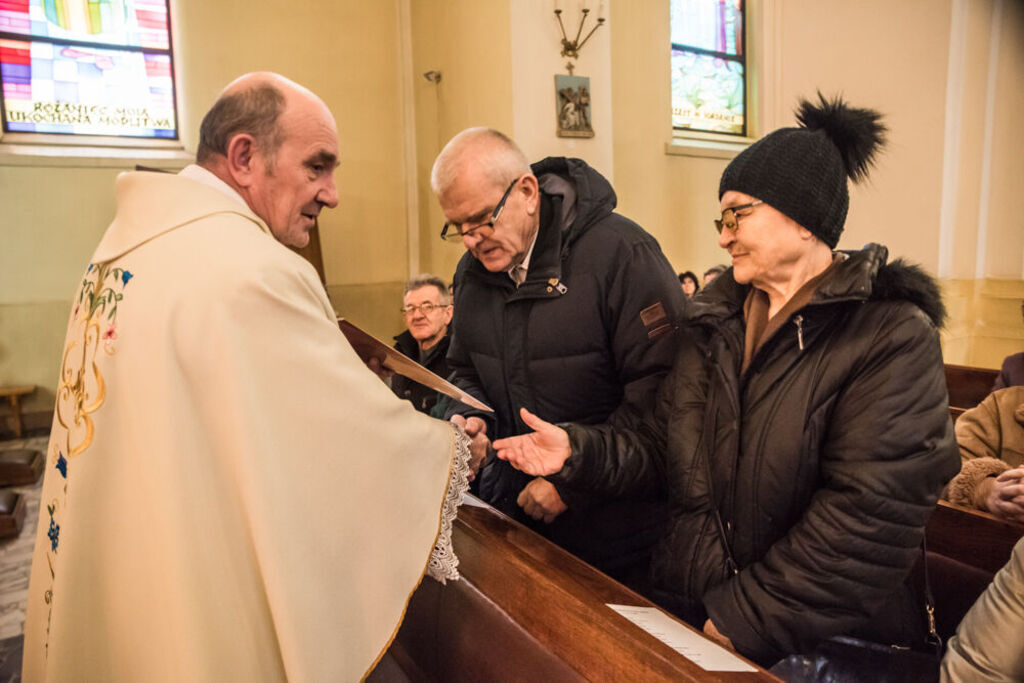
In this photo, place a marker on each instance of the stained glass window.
(87, 67)
(708, 66)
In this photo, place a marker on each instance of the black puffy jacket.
(824, 460)
(570, 344)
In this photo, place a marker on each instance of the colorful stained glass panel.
(87, 67)
(135, 23)
(50, 88)
(707, 93)
(712, 25)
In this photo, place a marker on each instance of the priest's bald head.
(276, 144)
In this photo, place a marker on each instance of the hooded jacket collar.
(151, 204)
(574, 197)
(586, 196)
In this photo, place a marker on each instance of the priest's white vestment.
(230, 494)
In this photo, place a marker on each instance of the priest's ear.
(243, 158)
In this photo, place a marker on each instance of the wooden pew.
(971, 536)
(527, 610)
(968, 386)
(966, 548)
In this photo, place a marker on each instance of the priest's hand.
(540, 500)
(476, 430)
(376, 366)
(541, 453)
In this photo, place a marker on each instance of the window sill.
(19, 151)
(707, 146)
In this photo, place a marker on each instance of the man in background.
(217, 445)
(427, 309)
(562, 307)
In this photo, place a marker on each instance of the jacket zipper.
(732, 392)
(799, 320)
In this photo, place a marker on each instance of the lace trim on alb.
(444, 565)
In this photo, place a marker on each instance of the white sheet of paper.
(698, 649)
(472, 501)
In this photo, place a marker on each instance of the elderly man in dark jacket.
(565, 307)
(804, 429)
(427, 309)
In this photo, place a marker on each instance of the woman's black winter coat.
(824, 460)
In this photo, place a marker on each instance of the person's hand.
(714, 634)
(1006, 495)
(540, 500)
(476, 430)
(541, 453)
(376, 365)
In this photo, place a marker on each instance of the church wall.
(891, 56)
(468, 43)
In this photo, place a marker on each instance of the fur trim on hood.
(900, 280)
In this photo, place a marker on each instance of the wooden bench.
(971, 536)
(13, 395)
(527, 610)
(968, 386)
(966, 548)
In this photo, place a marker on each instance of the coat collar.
(853, 280)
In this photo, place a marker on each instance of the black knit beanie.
(802, 171)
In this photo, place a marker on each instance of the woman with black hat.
(803, 434)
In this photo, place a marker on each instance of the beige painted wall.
(467, 41)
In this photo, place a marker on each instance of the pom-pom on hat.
(802, 171)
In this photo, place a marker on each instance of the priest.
(230, 493)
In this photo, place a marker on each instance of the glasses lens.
(426, 308)
(728, 221)
(452, 234)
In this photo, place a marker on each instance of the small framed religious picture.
(572, 107)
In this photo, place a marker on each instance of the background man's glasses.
(729, 218)
(426, 308)
(452, 231)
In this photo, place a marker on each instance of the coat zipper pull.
(799, 320)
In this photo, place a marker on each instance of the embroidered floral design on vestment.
(54, 532)
(82, 389)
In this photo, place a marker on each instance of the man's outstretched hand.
(541, 453)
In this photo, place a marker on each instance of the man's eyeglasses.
(427, 308)
(729, 219)
(452, 231)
